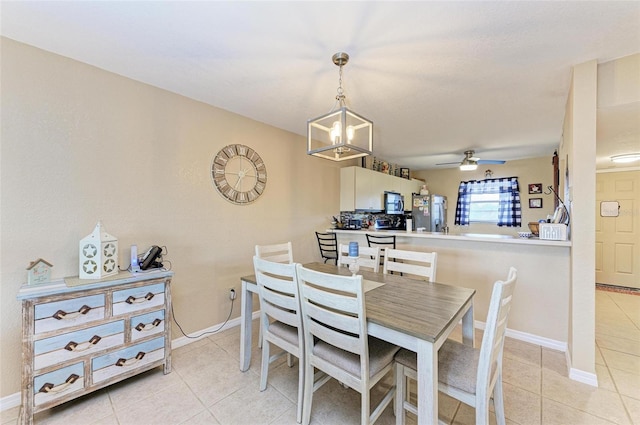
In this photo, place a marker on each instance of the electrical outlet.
(232, 294)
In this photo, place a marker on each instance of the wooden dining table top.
(424, 310)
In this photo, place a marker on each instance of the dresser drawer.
(127, 359)
(147, 324)
(71, 345)
(59, 383)
(135, 299)
(67, 313)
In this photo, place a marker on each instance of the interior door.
(618, 236)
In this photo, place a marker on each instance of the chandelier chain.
(340, 96)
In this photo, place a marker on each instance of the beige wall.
(534, 170)
(80, 144)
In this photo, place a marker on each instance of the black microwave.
(393, 203)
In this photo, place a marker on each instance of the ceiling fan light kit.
(623, 159)
(341, 134)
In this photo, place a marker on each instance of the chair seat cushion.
(287, 332)
(381, 354)
(457, 364)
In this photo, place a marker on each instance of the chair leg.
(365, 407)
(498, 402)
(289, 360)
(301, 371)
(260, 338)
(308, 392)
(398, 400)
(264, 369)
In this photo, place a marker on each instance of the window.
(484, 207)
(489, 201)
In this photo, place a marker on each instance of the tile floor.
(206, 386)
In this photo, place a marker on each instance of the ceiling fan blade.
(449, 163)
(490, 161)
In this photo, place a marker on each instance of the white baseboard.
(182, 341)
(530, 338)
(580, 375)
(13, 400)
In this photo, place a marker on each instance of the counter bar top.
(471, 237)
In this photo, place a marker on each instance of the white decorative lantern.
(98, 254)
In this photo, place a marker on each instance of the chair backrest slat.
(367, 257)
(333, 309)
(278, 291)
(277, 253)
(416, 263)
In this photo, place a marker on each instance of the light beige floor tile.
(627, 383)
(191, 345)
(633, 408)
(522, 351)
(554, 360)
(167, 407)
(131, 391)
(288, 418)
(466, 415)
(522, 375)
(203, 418)
(595, 401)
(621, 361)
(621, 330)
(285, 379)
(249, 405)
(554, 413)
(604, 378)
(599, 358)
(108, 420)
(521, 406)
(219, 379)
(94, 406)
(194, 362)
(623, 345)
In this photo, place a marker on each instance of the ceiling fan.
(470, 162)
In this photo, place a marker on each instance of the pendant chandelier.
(340, 134)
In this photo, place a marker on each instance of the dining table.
(413, 314)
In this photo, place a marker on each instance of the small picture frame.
(535, 188)
(535, 202)
(404, 173)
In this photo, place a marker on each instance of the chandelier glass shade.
(341, 134)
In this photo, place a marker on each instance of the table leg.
(246, 313)
(427, 383)
(468, 330)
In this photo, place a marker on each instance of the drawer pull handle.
(134, 300)
(131, 361)
(83, 346)
(141, 327)
(50, 388)
(63, 315)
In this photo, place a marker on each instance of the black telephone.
(151, 259)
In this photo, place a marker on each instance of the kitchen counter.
(475, 237)
(474, 260)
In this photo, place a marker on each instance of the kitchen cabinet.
(363, 189)
(77, 339)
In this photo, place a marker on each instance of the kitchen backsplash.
(396, 221)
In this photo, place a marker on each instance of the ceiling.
(436, 78)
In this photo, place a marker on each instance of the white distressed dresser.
(77, 339)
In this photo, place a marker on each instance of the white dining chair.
(280, 318)
(416, 263)
(368, 257)
(336, 340)
(468, 374)
(278, 253)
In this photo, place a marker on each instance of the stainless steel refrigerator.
(429, 212)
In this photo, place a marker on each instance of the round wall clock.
(239, 174)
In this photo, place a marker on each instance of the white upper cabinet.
(363, 189)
